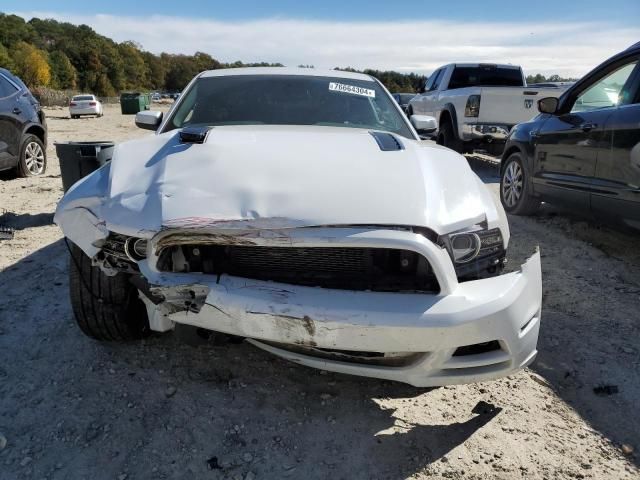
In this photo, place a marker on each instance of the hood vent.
(387, 142)
(194, 134)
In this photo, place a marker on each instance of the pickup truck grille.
(375, 269)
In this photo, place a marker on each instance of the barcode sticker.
(341, 87)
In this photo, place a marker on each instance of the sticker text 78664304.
(341, 87)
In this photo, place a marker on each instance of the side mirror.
(424, 123)
(148, 119)
(548, 105)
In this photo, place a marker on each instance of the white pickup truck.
(476, 104)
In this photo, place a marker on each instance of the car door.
(10, 131)
(618, 164)
(567, 144)
(430, 97)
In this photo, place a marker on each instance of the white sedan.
(85, 105)
(299, 209)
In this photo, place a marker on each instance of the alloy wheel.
(512, 184)
(34, 158)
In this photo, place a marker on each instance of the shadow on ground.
(77, 407)
(25, 220)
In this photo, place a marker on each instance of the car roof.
(497, 65)
(311, 72)
(635, 46)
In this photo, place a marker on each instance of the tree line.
(60, 55)
(539, 78)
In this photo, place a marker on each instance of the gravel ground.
(72, 408)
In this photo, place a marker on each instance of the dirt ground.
(72, 408)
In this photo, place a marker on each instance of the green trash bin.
(79, 159)
(134, 102)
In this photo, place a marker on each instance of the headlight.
(471, 244)
(464, 247)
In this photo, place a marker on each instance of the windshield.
(288, 100)
(83, 97)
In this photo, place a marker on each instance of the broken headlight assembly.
(121, 252)
(476, 252)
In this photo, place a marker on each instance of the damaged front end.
(383, 302)
(305, 280)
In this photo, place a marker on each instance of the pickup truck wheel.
(105, 308)
(447, 137)
(514, 188)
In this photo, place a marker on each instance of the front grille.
(376, 269)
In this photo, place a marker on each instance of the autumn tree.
(31, 65)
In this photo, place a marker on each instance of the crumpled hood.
(276, 177)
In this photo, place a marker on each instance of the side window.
(6, 88)
(438, 78)
(606, 92)
(429, 86)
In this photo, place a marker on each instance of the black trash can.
(79, 159)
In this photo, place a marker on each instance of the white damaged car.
(300, 209)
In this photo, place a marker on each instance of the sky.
(550, 37)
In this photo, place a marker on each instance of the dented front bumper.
(409, 337)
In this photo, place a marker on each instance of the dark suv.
(583, 151)
(23, 130)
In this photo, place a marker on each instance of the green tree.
(62, 71)
(134, 69)
(5, 59)
(204, 61)
(181, 69)
(14, 29)
(157, 70)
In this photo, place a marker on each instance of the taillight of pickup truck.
(472, 108)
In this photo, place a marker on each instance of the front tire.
(515, 194)
(105, 308)
(447, 137)
(33, 157)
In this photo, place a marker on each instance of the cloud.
(568, 49)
